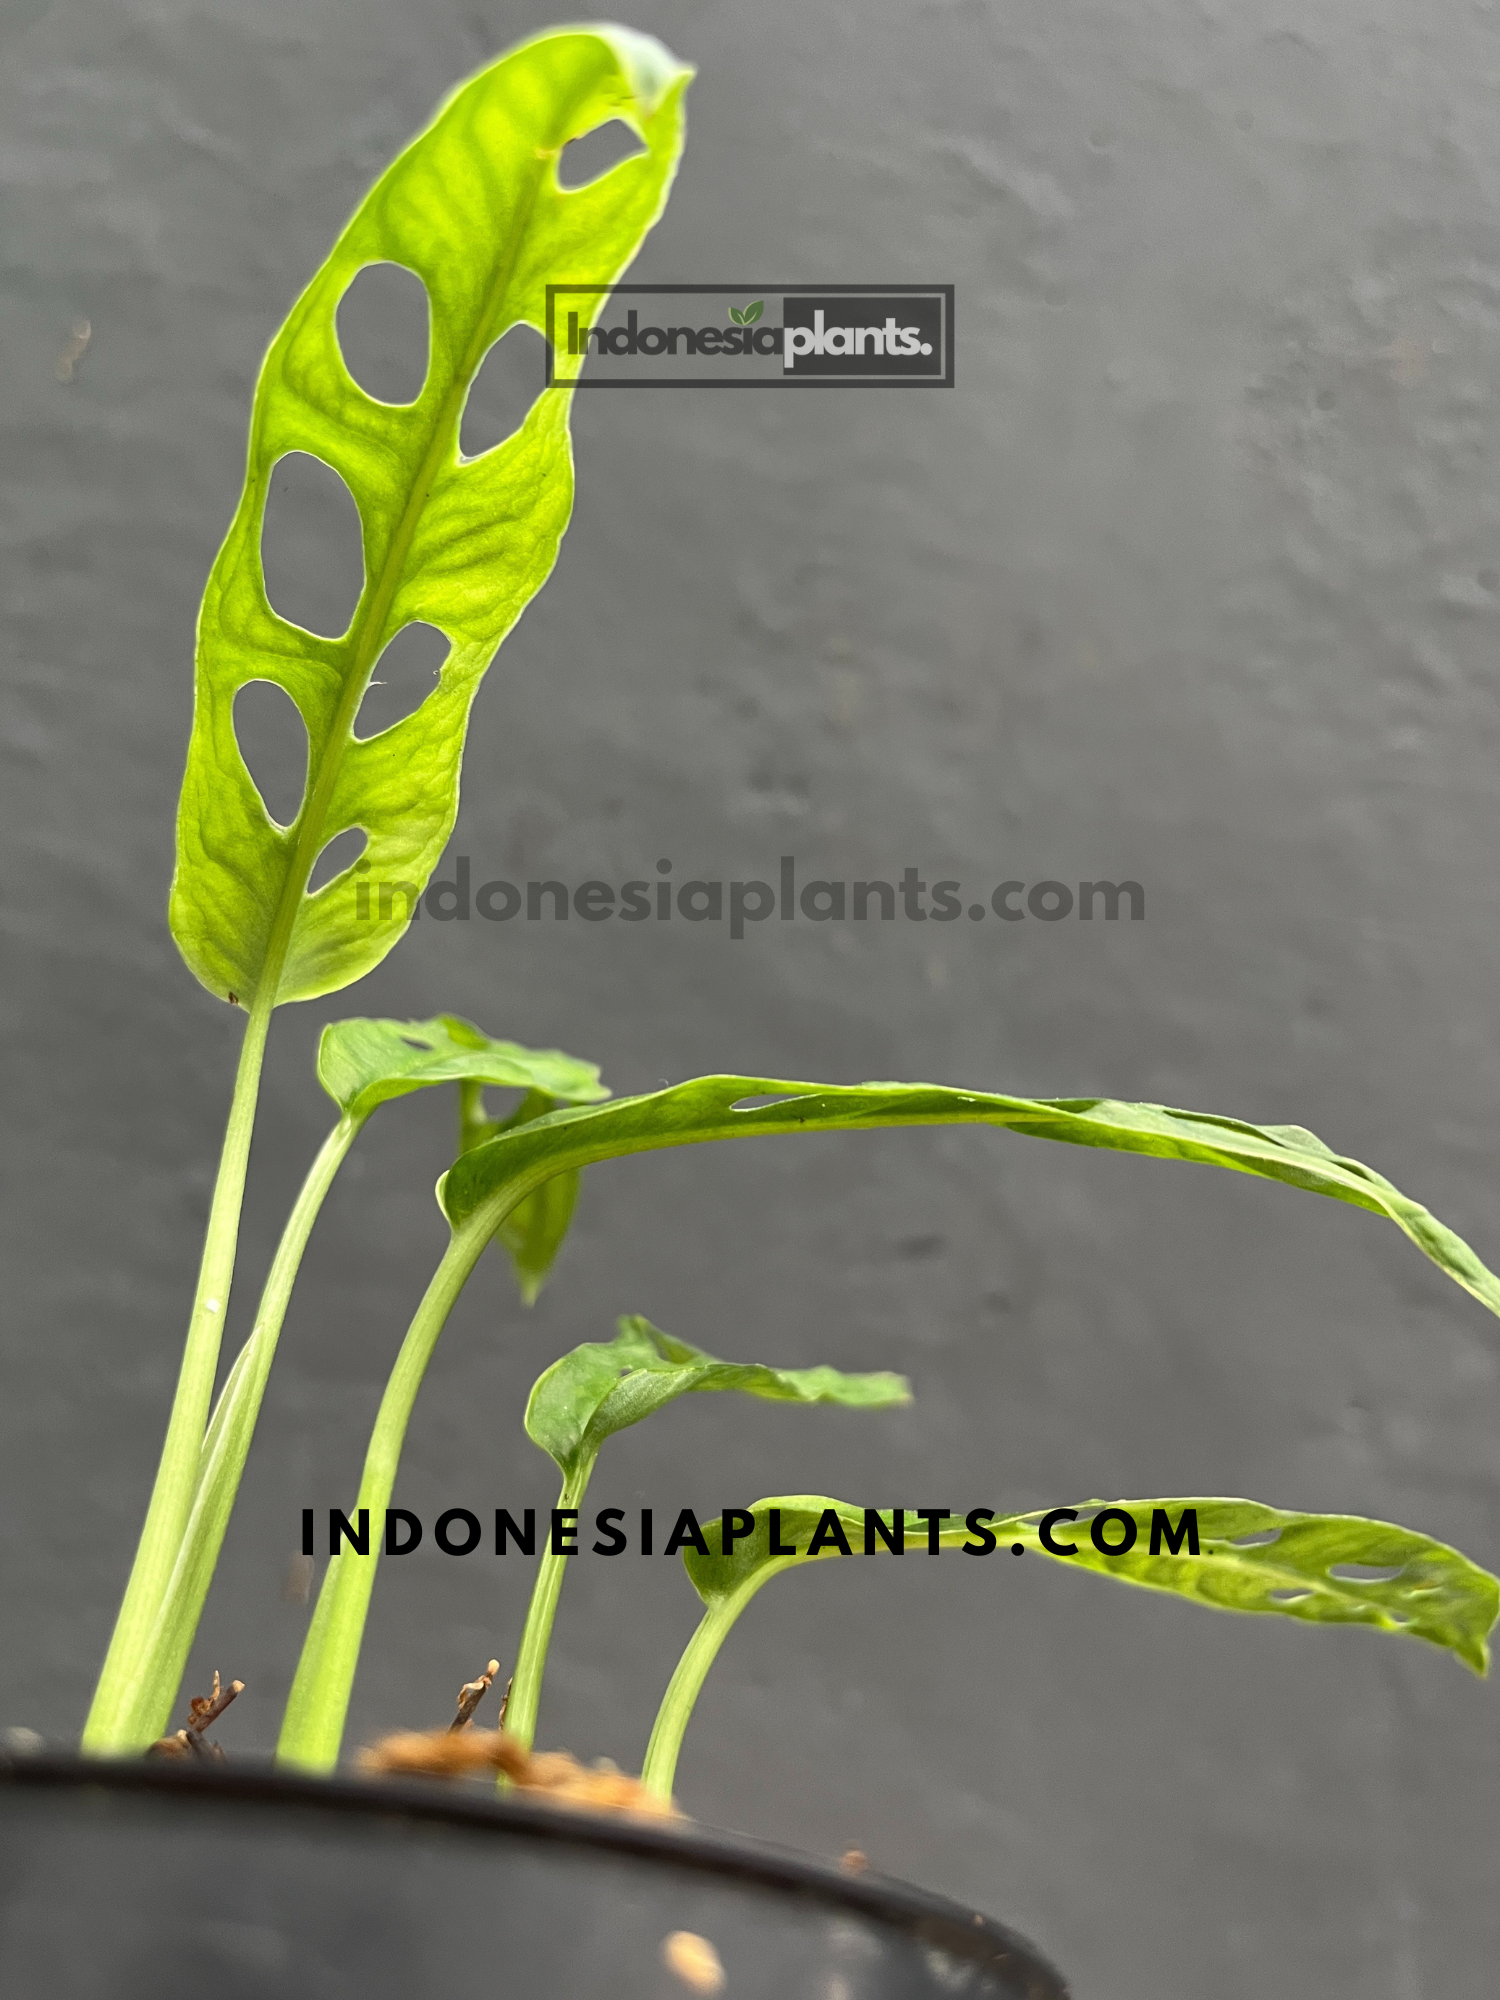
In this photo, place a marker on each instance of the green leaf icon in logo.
(749, 315)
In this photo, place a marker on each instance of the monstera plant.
(475, 209)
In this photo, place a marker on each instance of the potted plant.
(388, 1881)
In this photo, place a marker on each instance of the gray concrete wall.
(1192, 578)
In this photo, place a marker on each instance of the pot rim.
(929, 1918)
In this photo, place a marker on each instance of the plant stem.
(149, 1699)
(313, 1726)
(672, 1718)
(108, 1728)
(536, 1636)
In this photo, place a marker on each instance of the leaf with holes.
(1233, 1555)
(1330, 1569)
(493, 1177)
(474, 208)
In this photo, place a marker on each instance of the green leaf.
(753, 312)
(1427, 1590)
(362, 1063)
(533, 1232)
(1403, 1582)
(736, 315)
(605, 1386)
(498, 1174)
(473, 207)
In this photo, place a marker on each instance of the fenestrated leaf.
(1420, 1587)
(474, 208)
(605, 1386)
(363, 1063)
(498, 1174)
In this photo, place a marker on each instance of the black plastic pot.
(142, 1881)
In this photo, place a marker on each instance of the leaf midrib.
(370, 618)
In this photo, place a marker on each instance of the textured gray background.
(1194, 577)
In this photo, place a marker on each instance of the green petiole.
(109, 1726)
(149, 1693)
(659, 1772)
(313, 1725)
(536, 1634)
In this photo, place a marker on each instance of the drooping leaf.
(605, 1386)
(504, 1170)
(362, 1063)
(532, 1232)
(1410, 1583)
(1392, 1579)
(474, 208)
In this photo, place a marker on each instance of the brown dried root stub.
(471, 1694)
(694, 1961)
(854, 1861)
(553, 1776)
(203, 1711)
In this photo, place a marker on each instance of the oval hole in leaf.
(1257, 1540)
(341, 852)
(1288, 1596)
(511, 377)
(384, 332)
(758, 1103)
(311, 546)
(590, 156)
(1364, 1572)
(272, 736)
(404, 676)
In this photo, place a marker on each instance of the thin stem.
(150, 1696)
(531, 1661)
(672, 1718)
(313, 1726)
(109, 1724)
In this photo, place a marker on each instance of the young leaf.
(605, 1386)
(532, 1233)
(496, 1175)
(1411, 1583)
(474, 208)
(362, 1063)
